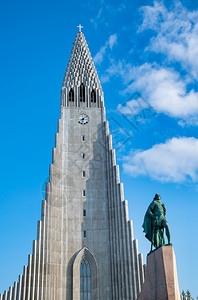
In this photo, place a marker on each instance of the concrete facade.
(84, 214)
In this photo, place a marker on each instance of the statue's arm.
(164, 208)
(150, 210)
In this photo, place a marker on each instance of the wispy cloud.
(175, 161)
(108, 45)
(120, 68)
(95, 20)
(177, 33)
(98, 58)
(105, 11)
(112, 40)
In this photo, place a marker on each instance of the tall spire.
(81, 72)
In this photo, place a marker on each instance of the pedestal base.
(161, 282)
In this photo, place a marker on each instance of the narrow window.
(83, 155)
(93, 96)
(83, 173)
(85, 280)
(82, 93)
(83, 193)
(71, 95)
(84, 212)
(84, 234)
(83, 138)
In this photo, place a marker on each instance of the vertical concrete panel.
(114, 230)
(136, 260)
(38, 257)
(10, 293)
(28, 282)
(118, 230)
(123, 248)
(5, 295)
(19, 288)
(130, 224)
(33, 271)
(127, 261)
(24, 281)
(141, 268)
(116, 235)
(65, 98)
(46, 291)
(42, 282)
(111, 224)
(14, 294)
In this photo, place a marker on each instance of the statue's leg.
(168, 234)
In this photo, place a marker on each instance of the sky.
(145, 53)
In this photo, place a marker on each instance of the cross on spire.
(80, 27)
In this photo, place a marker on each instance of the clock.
(83, 119)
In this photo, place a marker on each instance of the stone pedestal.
(161, 282)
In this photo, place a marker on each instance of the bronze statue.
(155, 222)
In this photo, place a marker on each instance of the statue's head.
(157, 197)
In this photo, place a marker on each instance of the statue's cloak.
(148, 226)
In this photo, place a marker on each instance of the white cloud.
(164, 90)
(177, 33)
(175, 161)
(109, 44)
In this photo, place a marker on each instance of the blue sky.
(145, 53)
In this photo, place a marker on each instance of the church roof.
(80, 68)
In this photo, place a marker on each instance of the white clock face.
(83, 119)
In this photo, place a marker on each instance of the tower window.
(83, 138)
(71, 95)
(84, 212)
(85, 280)
(82, 93)
(93, 96)
(84, 234)
(83, 155)
(83, 193)
(83, 173)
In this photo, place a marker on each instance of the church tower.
(85, 248)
